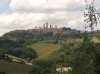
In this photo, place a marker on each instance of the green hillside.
(42, 49)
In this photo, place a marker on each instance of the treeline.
(28, 37)
(16, 48)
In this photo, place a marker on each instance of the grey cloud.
(50, 10)
(13, 26)
(67, 7)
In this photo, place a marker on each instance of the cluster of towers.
(47, 26)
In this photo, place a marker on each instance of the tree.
(42, 66)
(85, 57)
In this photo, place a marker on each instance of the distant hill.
(33, 35)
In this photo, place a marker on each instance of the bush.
(42, 66)
(2, 56)
(55, 41)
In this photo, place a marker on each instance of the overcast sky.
(23, 14)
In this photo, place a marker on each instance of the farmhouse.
(63, 69)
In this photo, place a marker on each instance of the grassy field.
(43, 48)
(14, 68)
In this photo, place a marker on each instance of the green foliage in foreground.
(42, 66)
(83, 59)
(86, 59)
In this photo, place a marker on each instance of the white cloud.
(60, 12)
(45, 6)
(30, 20)
(19, 20)
(31, 13)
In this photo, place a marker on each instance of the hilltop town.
(46, 27)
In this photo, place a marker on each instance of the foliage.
(24, 44)
(85, 61)
(32, 36)
(42, 66)
(61, 57)
(16, 49)
(64, 55)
